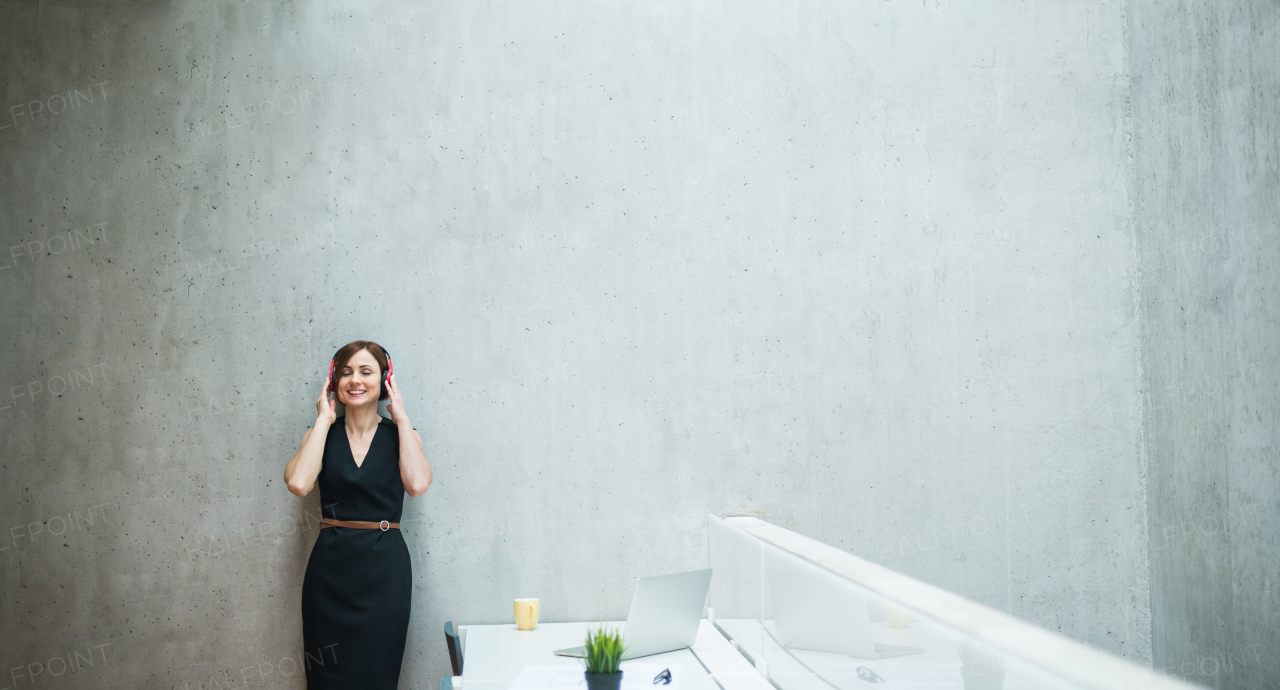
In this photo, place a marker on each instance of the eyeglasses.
(869, 676)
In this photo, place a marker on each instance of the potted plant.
(604, 649)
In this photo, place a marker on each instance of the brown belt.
(359, 524)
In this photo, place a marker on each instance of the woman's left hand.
(395, 402)
(415, 469)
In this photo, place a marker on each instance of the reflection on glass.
(736, 581)
(819, 612)
(808, 628)
(980, 671)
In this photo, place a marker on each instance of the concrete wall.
(864, 270)
(1207, 167)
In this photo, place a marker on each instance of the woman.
(355, 595)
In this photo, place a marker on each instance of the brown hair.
(349, 350)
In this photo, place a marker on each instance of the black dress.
(355, 595)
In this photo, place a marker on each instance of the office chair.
(455, 650)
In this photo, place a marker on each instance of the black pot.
(604, 681)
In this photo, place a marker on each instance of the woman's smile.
(360, 380)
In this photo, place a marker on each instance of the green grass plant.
(604, 650)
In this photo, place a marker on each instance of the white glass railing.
(813, 617)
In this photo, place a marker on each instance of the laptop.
(664, 616)
(818, 612)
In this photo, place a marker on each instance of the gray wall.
(865, 271)
(1206, 152)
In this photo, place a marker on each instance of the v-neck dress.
(356, 593)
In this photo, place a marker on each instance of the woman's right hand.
(326, 407)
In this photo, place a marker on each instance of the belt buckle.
(384, 525)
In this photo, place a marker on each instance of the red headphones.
(386, 377)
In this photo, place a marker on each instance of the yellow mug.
(526, 613)
(897, 618)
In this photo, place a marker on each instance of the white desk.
(493, 655)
